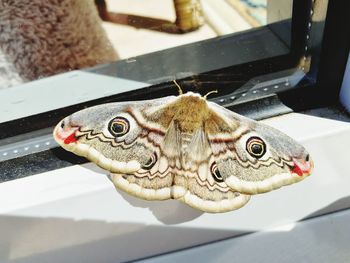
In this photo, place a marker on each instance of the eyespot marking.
(216, 173)
(119, 126)
(256, 147)
(151, 162)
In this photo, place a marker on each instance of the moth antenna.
(179, 88)
(210, 92)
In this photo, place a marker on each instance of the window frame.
(320, 86)
(227, 78)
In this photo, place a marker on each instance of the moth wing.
(194, 186)
(193, 182)
(186, 188)
(89, 135)
(145, 184)
(228, 134)
(208, 195)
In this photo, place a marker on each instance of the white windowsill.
(74, 214)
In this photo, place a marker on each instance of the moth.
(186, 148)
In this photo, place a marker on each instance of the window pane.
(40, 39)
(210, 44)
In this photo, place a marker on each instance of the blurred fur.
(44, 37)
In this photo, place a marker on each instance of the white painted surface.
(75, 215)
(36, 96)
(320, 240)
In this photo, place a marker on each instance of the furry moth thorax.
(186, 148)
